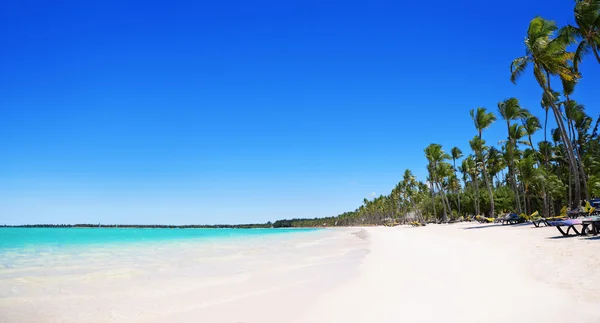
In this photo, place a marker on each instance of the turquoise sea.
(52, 238)
(149, 275)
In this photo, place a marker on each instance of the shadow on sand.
(563, 237)
(495, 225)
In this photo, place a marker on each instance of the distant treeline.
(293, 223)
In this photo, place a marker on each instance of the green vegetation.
(518, 175)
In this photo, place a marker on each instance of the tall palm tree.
(571, 108)
(483, 120)
(511, 110)
(587, 31)
(456, 153)
(574, 111)
(548, 56)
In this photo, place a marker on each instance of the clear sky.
(244, 111)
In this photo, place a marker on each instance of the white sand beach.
(440, 273)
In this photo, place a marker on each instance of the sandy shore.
(470, 273)
(440, 273)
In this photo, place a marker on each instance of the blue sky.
(237, 111)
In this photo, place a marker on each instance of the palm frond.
(569, 34)
(582, 50)
(517, 68)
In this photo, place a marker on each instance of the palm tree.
(531, 176)
(483, 120)
(587, 31)
(573, 112)
(495, 164)
(531, 124)
(445, 173)
(469, 167)
(572, 109)
(511, 110)
(548, 56)
(456, 153)
(409, 184)
(435, 155)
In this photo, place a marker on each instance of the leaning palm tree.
(511, 110)
(587, 31)
(456, 153)
(483, 120)
(548, 56)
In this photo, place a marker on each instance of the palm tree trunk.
(513, 183)
(442, 195)
(511, 171)
(568, 146)
(447, 201)
(545, 211)
(433, 199)
(579, 159)
(476, 195)
(583, 179)
(570, 191)
(458, 195)
(524, 198)
(489, 188)
(445, 214)
(458, 188)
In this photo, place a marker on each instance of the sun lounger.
(540, 221)
(592, 225)
(546, 221)
(537, 220)
(570, 224)
(512, 218)
(483, 219)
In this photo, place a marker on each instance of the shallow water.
(72, 275)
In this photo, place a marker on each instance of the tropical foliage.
(518, 175)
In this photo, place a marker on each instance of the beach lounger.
(570, 224)
(483, 219)
(512, 218)
(538, 220)
(592, 225)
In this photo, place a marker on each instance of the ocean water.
(52, 238)
(51, 248)
(126, 275)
